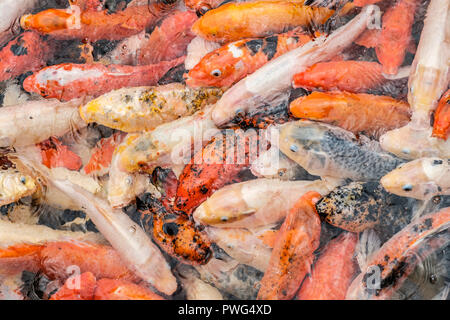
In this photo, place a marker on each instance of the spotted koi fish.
(234, 61)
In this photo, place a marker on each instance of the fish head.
(415, 179)
(220, 68)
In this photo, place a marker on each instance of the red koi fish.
(24, 53)
(293, 251)
(441, 125)
(69, 80)
(210, 169)
(65, 24)
(170, 40)
(341, 75)
(234, 61)
(78, 287)
(54, 154)
(333, 272)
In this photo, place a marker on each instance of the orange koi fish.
(340, 75)
(333, 271)
(69, 80)
(441, 126)
(65, 24)
(292, 254)
(54, 154)
(395, 35)
(229, 64)
(355, 112)
(235, 21)
(24, 53)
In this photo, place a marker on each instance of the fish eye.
(216, 73)
(203, 8)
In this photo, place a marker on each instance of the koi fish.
(65, 24)
(24, 53)
(17, 180)
(234, 61)
(219, 163)
(292, 254)
(170, 40)
(166, 145)
(240, 205)
(428, 79)
(333, 272)
(69, 80)
(441, 125)
(144, 108)
(340, 75)
(395, 259)
(395, 35)
(55, 154)
(34, 121)
(356, 112)
(235, 21)
(175, 233)
(324, 150)
(420, 179)
(411, 143)
(268, 83)
(358, 206)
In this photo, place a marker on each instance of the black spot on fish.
(270, 48)
(18, 49)
(170, 228)
(254, 46)
(437, 162)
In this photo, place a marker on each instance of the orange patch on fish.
(54, 154)
(441, 125)
(77, 287)
(112, 289)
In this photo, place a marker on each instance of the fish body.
(421, 179)
(101, 157)
(24, 53)
(358, 206)
(441, 125)
(396, 258)
(332, 272)
(340, 75)
(72, 23)
(428, 79)
(325, 150)
(168, 144)
(254, 203)
(12, 10)
(85, 290)
(55, 154)
(219, 163)
(144, 108)
(395, 35)
(116, 289)
(356, 112)
(411, 142)
(35, 121)
(197, 49)
(235, 21)
(232, 62)
(68, 81)
(170, 40)
(292, 254)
